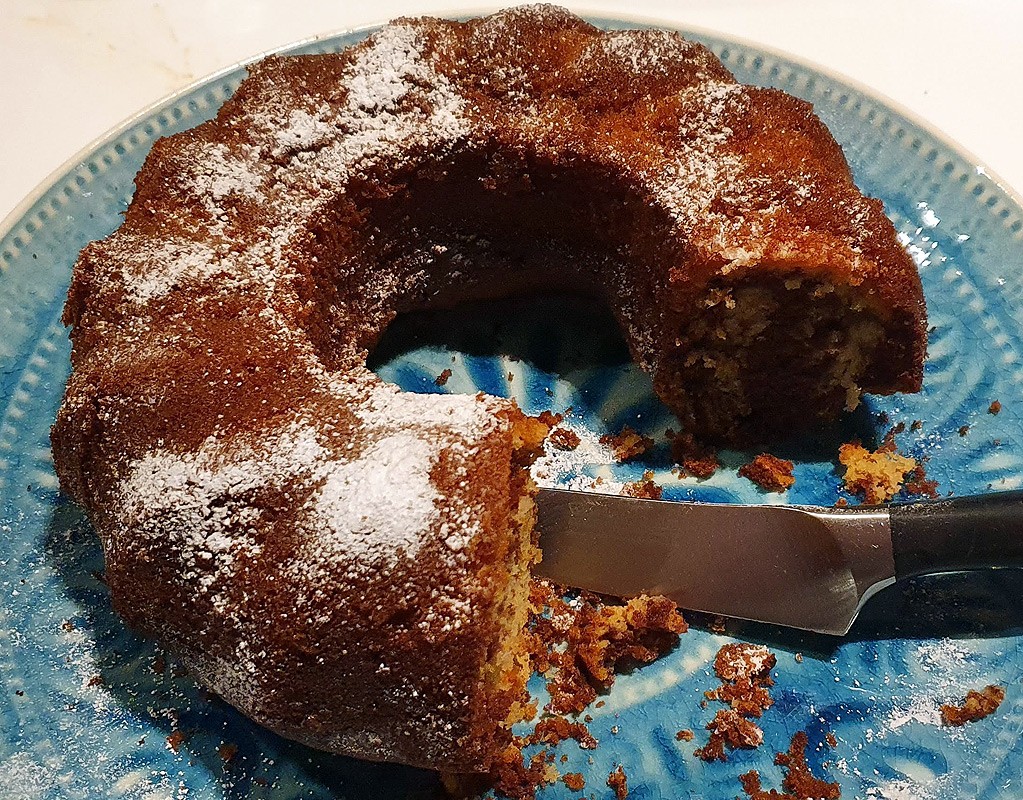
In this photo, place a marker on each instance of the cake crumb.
(618, 781)
(564, 439)
(227, 752)
(693, 459)
(441, 379)
(578, 641)
(995, 408)
(579, 646)
(876, 476)
(685, 735)
(964, 429)
(550, 419)
(916, 425)
(977, 706)
(770, 473)
(917, 483)
(644, 489)
(530, 433)
(552, 730)
(574, 781)
(627, 445)
(729, 728)
(175, 739)
(514, 778)
(745, 674)
(799, 782)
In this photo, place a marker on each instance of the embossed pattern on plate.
(86, 707)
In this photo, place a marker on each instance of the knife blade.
(798, 566)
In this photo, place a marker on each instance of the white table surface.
(72, 69)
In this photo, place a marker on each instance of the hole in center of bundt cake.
(481, 226)
(759, 356)
(562, 335)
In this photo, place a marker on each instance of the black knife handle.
(964, 533)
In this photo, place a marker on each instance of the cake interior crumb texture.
(877, 476)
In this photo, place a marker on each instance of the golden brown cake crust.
(319, 546)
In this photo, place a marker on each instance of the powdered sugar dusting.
(920, 709)
(377, 506)
(150, 269)
(219, 173)
(946, 659)
(700, 171)
(21, 778)
(383, 74)
(644, 51)
(395, 100)
(899, 790)
(204, 503)
(304, 131)
(587, 467)
(389, 408)
(942, 674)
(79, 647)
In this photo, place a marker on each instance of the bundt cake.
(347, 563)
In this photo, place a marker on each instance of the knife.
(798, 566)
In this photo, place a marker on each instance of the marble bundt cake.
(348, 563)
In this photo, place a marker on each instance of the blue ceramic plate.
(86, 707)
